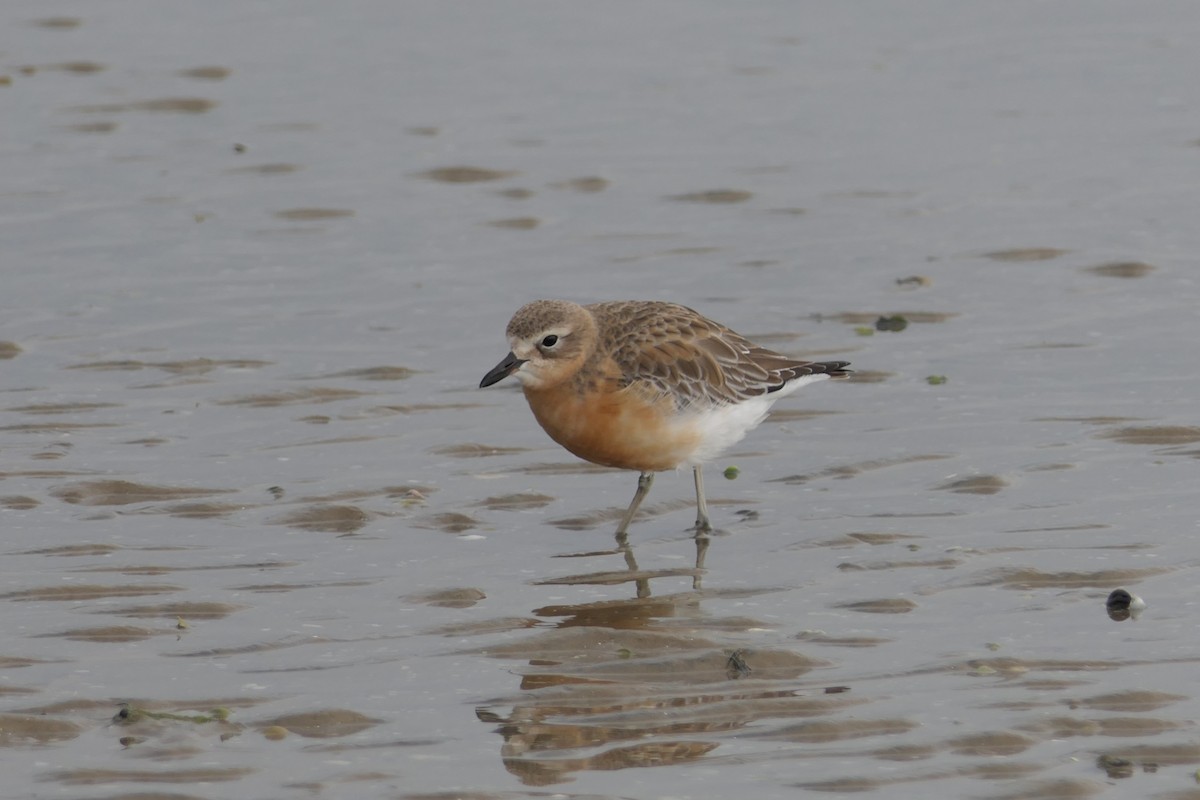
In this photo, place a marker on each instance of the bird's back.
(700, 363)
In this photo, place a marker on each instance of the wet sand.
(263, 537)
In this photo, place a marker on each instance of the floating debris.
(130, 714)
(1115, 766)
(736, 666)
(894, 324)
(1123, 604)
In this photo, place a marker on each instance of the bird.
(646, 385)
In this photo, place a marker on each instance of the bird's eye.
(550, 340)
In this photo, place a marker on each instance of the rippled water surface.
(264, 537)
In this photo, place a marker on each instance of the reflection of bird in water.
(645, 385)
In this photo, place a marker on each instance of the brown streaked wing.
(687, 356)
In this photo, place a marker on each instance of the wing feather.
(676, 352)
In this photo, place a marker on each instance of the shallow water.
(257, 258)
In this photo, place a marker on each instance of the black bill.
(502, 370)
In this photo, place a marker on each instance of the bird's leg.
(702, 541)
(644, 481)
(702, 523)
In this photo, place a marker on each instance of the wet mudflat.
(263, 537)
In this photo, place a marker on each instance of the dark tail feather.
(834, 369)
